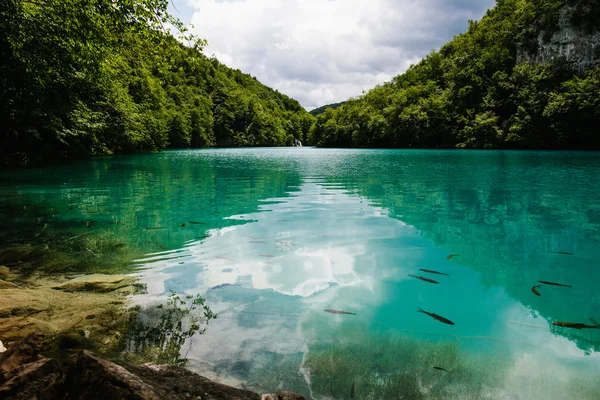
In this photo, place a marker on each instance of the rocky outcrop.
(570, 44)
(25, 375)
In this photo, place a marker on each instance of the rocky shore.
(24, 375)
(61, 316)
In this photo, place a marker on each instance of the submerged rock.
(4, 271)
(96, 283)
(7, 285)
(283, 396)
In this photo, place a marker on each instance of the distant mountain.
(322, 109)
(526, 76)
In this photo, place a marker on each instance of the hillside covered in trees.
(495, 86)
(324, 108)
(94, 77)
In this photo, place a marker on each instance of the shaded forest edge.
(80, 78)
(496, 86)
(96, 77)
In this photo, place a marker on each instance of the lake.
(271, 238)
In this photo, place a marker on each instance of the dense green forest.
(94, 77)
(324, 108)
(472, 92)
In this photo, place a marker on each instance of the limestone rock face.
(96, 283)
(578, 48)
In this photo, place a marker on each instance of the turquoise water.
(273, 237)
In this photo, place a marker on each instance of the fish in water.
(352, 391)
(452, 255)
(223, 258)
(562, 252)
(429, 271)
(441, 369)
(339, 312)
(183, 224)
(256, 241)
(267, 255)
(575, 325)
(197, 223)
(154, 229)
(554, 284)
(534, 290)
(223, 285)
(162, 247)
(425, 279)
(436, 317)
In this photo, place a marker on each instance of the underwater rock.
(4, 271)
(96, 283)
(283, 396)
(7, 285)
(35, 308)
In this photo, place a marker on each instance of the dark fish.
(154, 229)
(562, 252)
(248, 236)
(452, 255)
(429, 271)
(267, 255)
(437, 317)
(256, 241)
(202, 237)
(223, 285)
(282, 220)
(534, 290)
(440, 369)
(162, 247)
(352, 391)
(425, 279)
(554, 284)
(197, 223)
(183, 224)
(223, 258)
(575, 325)
(339, 312)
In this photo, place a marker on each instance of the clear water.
(273, 237)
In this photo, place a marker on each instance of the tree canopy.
(95, 77)
(472, 92)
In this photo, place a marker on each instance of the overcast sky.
(325, 51)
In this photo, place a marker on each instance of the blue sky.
(325, 51)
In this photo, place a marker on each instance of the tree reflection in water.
(158, 333)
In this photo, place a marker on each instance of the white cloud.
(323, 51)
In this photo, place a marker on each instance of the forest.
(98, 77)
(473, 92)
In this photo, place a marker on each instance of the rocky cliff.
(577, 46)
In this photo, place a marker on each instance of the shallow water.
(273, 237)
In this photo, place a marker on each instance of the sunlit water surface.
(273, 237)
